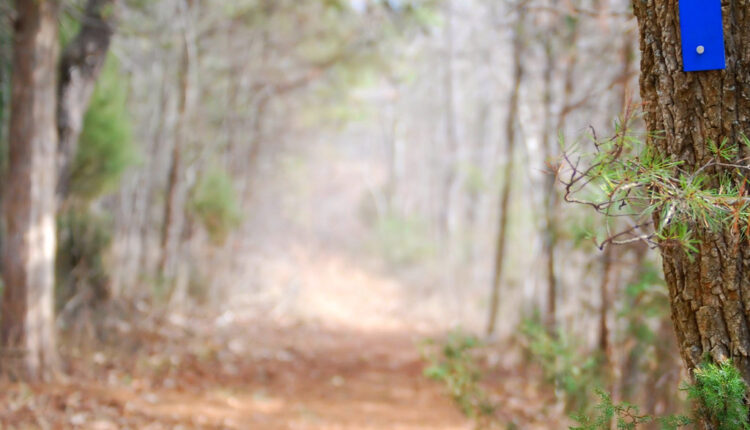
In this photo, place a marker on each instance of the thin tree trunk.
(549, 145)
(605, 303)
(510, 139)
(172, 225)
(251, 159)
(80, 66)
(146, 231)
(549, 197)
(710, 291)
(233, 111)
(27, 334)
(449, 153)
(628, 62)
(6, 54)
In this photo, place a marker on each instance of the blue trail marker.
(702, 35)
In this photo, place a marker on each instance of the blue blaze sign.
(702, 35)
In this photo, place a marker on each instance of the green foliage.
(70, 25)
(626, 178)
(453, 364)
(105, 148)
(625, 415)
(723, 151)
(104, 152)
(606, 411)
(403, 239)
(719, 392)
(572, 372)
(582, 230)
(213, 201)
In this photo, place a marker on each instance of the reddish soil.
(289, 379)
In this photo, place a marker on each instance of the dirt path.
(310, 379)
(350, 361)
(295, 378)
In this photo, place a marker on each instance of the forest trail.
(326, 343)
(321, 381)
(292, 378)
(346, 361)
(350, 361)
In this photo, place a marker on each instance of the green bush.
(719, 393)
(625, 415)
(454, 364)
(573, 373)
(213, 201)
(105, 148)
(104, 152)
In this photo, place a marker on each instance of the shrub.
(625, 415)
(453, 364)
(105, 148)
(573, 373)
(104, 152)
(213, 202)
(719, 393)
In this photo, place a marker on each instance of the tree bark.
(80, 66)
(710, 293)
(27, 333)
(510, 141)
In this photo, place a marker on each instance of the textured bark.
(510, 141)
(710, 295)
(27, 332)
(80, 66)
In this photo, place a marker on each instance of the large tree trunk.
(27, 333)
(710, 294)
(79, 69)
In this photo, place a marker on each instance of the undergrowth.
(719, 393)
(572, 372)
(624, 415)
(454, 364)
